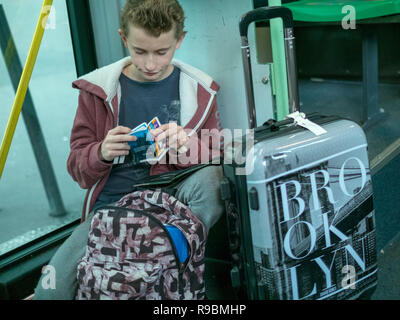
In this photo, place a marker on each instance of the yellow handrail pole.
(23, 83)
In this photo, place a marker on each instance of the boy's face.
(151, 56)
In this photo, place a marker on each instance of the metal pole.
(291, 70)
(248, 76)
(370, 114)
(31, 121)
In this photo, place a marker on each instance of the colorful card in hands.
(154, 124)
(144, 149)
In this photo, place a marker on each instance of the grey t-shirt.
(140, 102)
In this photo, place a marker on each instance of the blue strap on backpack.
(181, 244)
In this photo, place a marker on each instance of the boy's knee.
(204, 184)
(203, 195)
(209, 177)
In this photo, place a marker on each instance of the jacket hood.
(103, 82)
(196, 88)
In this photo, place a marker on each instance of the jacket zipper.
(174, 250)
(89, 199)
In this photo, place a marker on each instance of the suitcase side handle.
(262, 14)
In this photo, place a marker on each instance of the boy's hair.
(154, 16)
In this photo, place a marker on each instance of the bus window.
(28, 207)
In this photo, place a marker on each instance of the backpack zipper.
(174, 250)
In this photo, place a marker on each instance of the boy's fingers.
(119, 146)
(183, 138)
(111, 150)
(178, 140)
(121, 138)
(129, 137)
(120, 130)
(172, 142)
(168, 133)
(165, 127)
(117, 153)
(161, 136)
(116, 147)
(160, 129)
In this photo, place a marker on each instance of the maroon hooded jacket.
(97, 113)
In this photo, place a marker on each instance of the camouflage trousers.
(200, 191)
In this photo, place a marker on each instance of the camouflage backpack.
(130, 254)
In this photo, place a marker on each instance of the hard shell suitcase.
(300, 205)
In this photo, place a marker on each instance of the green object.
(278, 70)
(325, 11)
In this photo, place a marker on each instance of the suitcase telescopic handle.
(264, 14)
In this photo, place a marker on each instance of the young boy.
(115, 99)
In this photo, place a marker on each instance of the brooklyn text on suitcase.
(310, 213)
(302, 222)
(324, 219)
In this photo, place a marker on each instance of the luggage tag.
(301, 120)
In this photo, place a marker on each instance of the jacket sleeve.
(83, 163)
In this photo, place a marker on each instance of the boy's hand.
(115, 143)
(175, 135)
